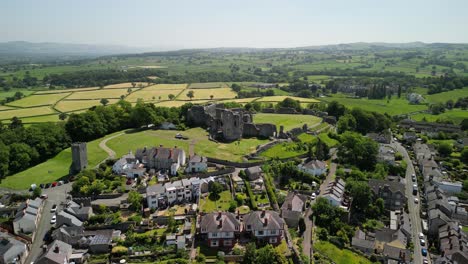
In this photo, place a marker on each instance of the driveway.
(56, 195)
(414, 209)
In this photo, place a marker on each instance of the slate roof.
(9, 243)
(264, 220)
(395, 253)
(375, 184)
(210, 223)
(197, 158)
(363, 243)
(294, 201)
(52, 256)
(155, 189)
(253, 170)
(74, 220)
(315, 164)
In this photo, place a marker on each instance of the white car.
(425, 261)
(53, 220)
(313, 196)
(423, 242)
(416, 200)
(421, 236)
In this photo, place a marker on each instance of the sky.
(176, 24)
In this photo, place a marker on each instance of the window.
(214, 243)
(273, 232)
(227, 242)
(249, 227)
(260, 233)
(214, 234)
(273, 240)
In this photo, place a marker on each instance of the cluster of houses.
(224, 229)
(445, 213)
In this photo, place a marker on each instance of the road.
(56, 195)
(414, 209)
(104, 147)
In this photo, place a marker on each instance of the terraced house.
(160, 158)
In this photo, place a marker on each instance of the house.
(384, 137)
(12, 250)
(160, 158)
(314, 167)
(393, 193)
(422, 151)
(79, 210)
(400, 255)
(161, 195)
(155, 196)
(58, 252)
(453, 243)
(65, 218)
(265, 226)
(129, 165)
(239, 183)
(365, 246)
(335, 192)
(386, 154)
(292, 208)
(436, 219)
(197, 164)
(253, 173)
(220, 229)
(100, 241)
(429, 127)
(27, 217)
(71, 235)
(97, 241)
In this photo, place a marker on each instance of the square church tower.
(79, 157)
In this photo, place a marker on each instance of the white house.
(196, 164)
(335, 192)
(314, 167)
(160, 195)
(129, 165)
(28, 215)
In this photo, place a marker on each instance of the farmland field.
(445, 96)
(280, 98)
(3, 107)
(288, 121)
(98, 94)
(125, 85)
(207, 85)
(67, 90)
(11, 93)
(218, 93)
(158, 87)
(151, 95)
(179, 103)
(456, 115)
(40, 119)
(37, 100)
(33, 111)
(73, 105)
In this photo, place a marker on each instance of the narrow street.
(414, 208)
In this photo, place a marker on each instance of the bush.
(119, 250)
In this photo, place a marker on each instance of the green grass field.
(158, 87)
(26, 112)
(327, 140)
(53, 169)
(445, 96)
(126, 85)
(12, 92)
(99, 94)
(339, 256)
(40, 119)
(217, 93)
(67, 90)
(207, 85)
(288, 121)
(152, 95)
(280, 98)
(179, 103)
(38, 100)
(282, 151)
(73, 105)
(455, 115)
(208, 206)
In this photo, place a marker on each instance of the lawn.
(283, 150)
(229, 151)
(394, 107)
(288, 121)
(465, 228)
(327, 140)
(207, 85)
(99, 94)
(208, 205)
(218, 93)
(53, 169)
(73, 105)
(33, 111)
(304, 137)
(455, 115)
(152, 94)
(339, 256)
(37, 100)
(280, 98)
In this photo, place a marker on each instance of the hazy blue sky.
(236, 23)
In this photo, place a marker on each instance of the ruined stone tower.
(79, 157)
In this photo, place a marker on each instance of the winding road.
(109, 151)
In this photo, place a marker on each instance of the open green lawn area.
(288, 121)
(53, 169)
(307, 138)
(394, 107)
(229, 151)
(455, 115)
(208, 205)
(465, 228)
(339, 256)
(261, 198)
(445, 96)
(327, 140)
(283, 150)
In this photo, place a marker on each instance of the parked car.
(54, 184)
(129, 182)
(44, 196)
(54, 208)
(425, 261)
(313, 196)
(422, 242)
(421, 236)
(53, 220)
(42, 185)
(424, 252)
(416, 200)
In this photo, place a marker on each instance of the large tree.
(358, 150)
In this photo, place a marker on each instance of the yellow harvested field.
(33, 111)
(179, 86)
(67, 90)
(153, 77)
(179, 103)
(147, 95)
(243, 100)
(99, 94)
(125, 85)
(218, 93)
(281, 98)
(73, 105)
(208, 85)
(37, 100)
(2, 107)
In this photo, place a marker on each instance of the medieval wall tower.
(79, 157)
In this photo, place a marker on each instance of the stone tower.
(79, 157)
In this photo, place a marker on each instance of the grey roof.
(9, 244)
(155, 189)
(210, 223)
(264, 220)
(436, 213)
(159, 153)
(315, 164)
(363, 243)
(395, 253)
(101, 239)
(385, 235)
(73, 219)
(197, 158)
(294, 201)
(253, 170)
(53, 256)
(375, 184)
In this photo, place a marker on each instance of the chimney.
(220, 223)
(238, 214)
(81, 205)
(265, 223)
(56, 249)
(219, 215)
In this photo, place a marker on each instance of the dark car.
(424, 252)
(42, 185)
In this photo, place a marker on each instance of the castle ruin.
(228, 124)
(79, 157)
